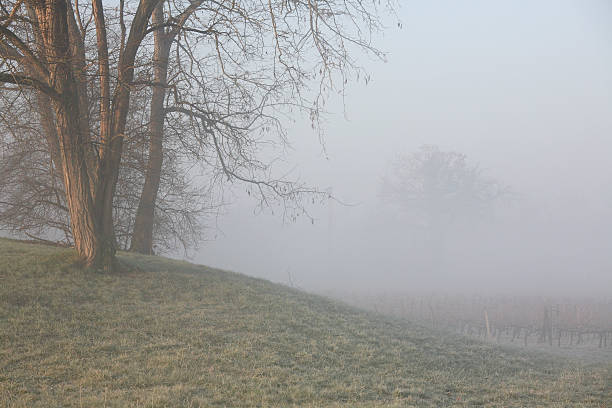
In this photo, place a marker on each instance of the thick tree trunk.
(142, 236)
(92, 242)
(89, 178)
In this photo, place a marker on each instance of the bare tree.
(33, 204)
(440, 192)
(438, 188)
(42, 45)
(237, 66)
(33, 198)
(164, 31)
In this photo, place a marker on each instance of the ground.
(166, 333)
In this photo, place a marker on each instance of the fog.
(523, 89)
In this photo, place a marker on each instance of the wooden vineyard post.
(546, 328)
(486, 316)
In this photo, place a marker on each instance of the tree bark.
(142, 236)
(92, 245)
(111, 146)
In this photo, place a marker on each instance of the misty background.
(523, 89)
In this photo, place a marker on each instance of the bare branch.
(23, 80)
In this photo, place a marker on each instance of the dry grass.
(169, 334)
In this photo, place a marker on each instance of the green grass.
(171, 334)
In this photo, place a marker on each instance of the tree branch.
(19, 79)
(27, 52)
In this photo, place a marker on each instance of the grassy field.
(169, 334)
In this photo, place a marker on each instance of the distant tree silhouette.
(437, 190)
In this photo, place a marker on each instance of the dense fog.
(524, 90)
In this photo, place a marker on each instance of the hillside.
(169, 333)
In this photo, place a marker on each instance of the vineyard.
(526, 320)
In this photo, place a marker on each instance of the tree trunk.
(142, 236)
(89, 175)
(95, 247)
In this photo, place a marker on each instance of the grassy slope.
(176, 334)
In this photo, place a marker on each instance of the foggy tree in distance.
(438, 189)
(236, 67)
